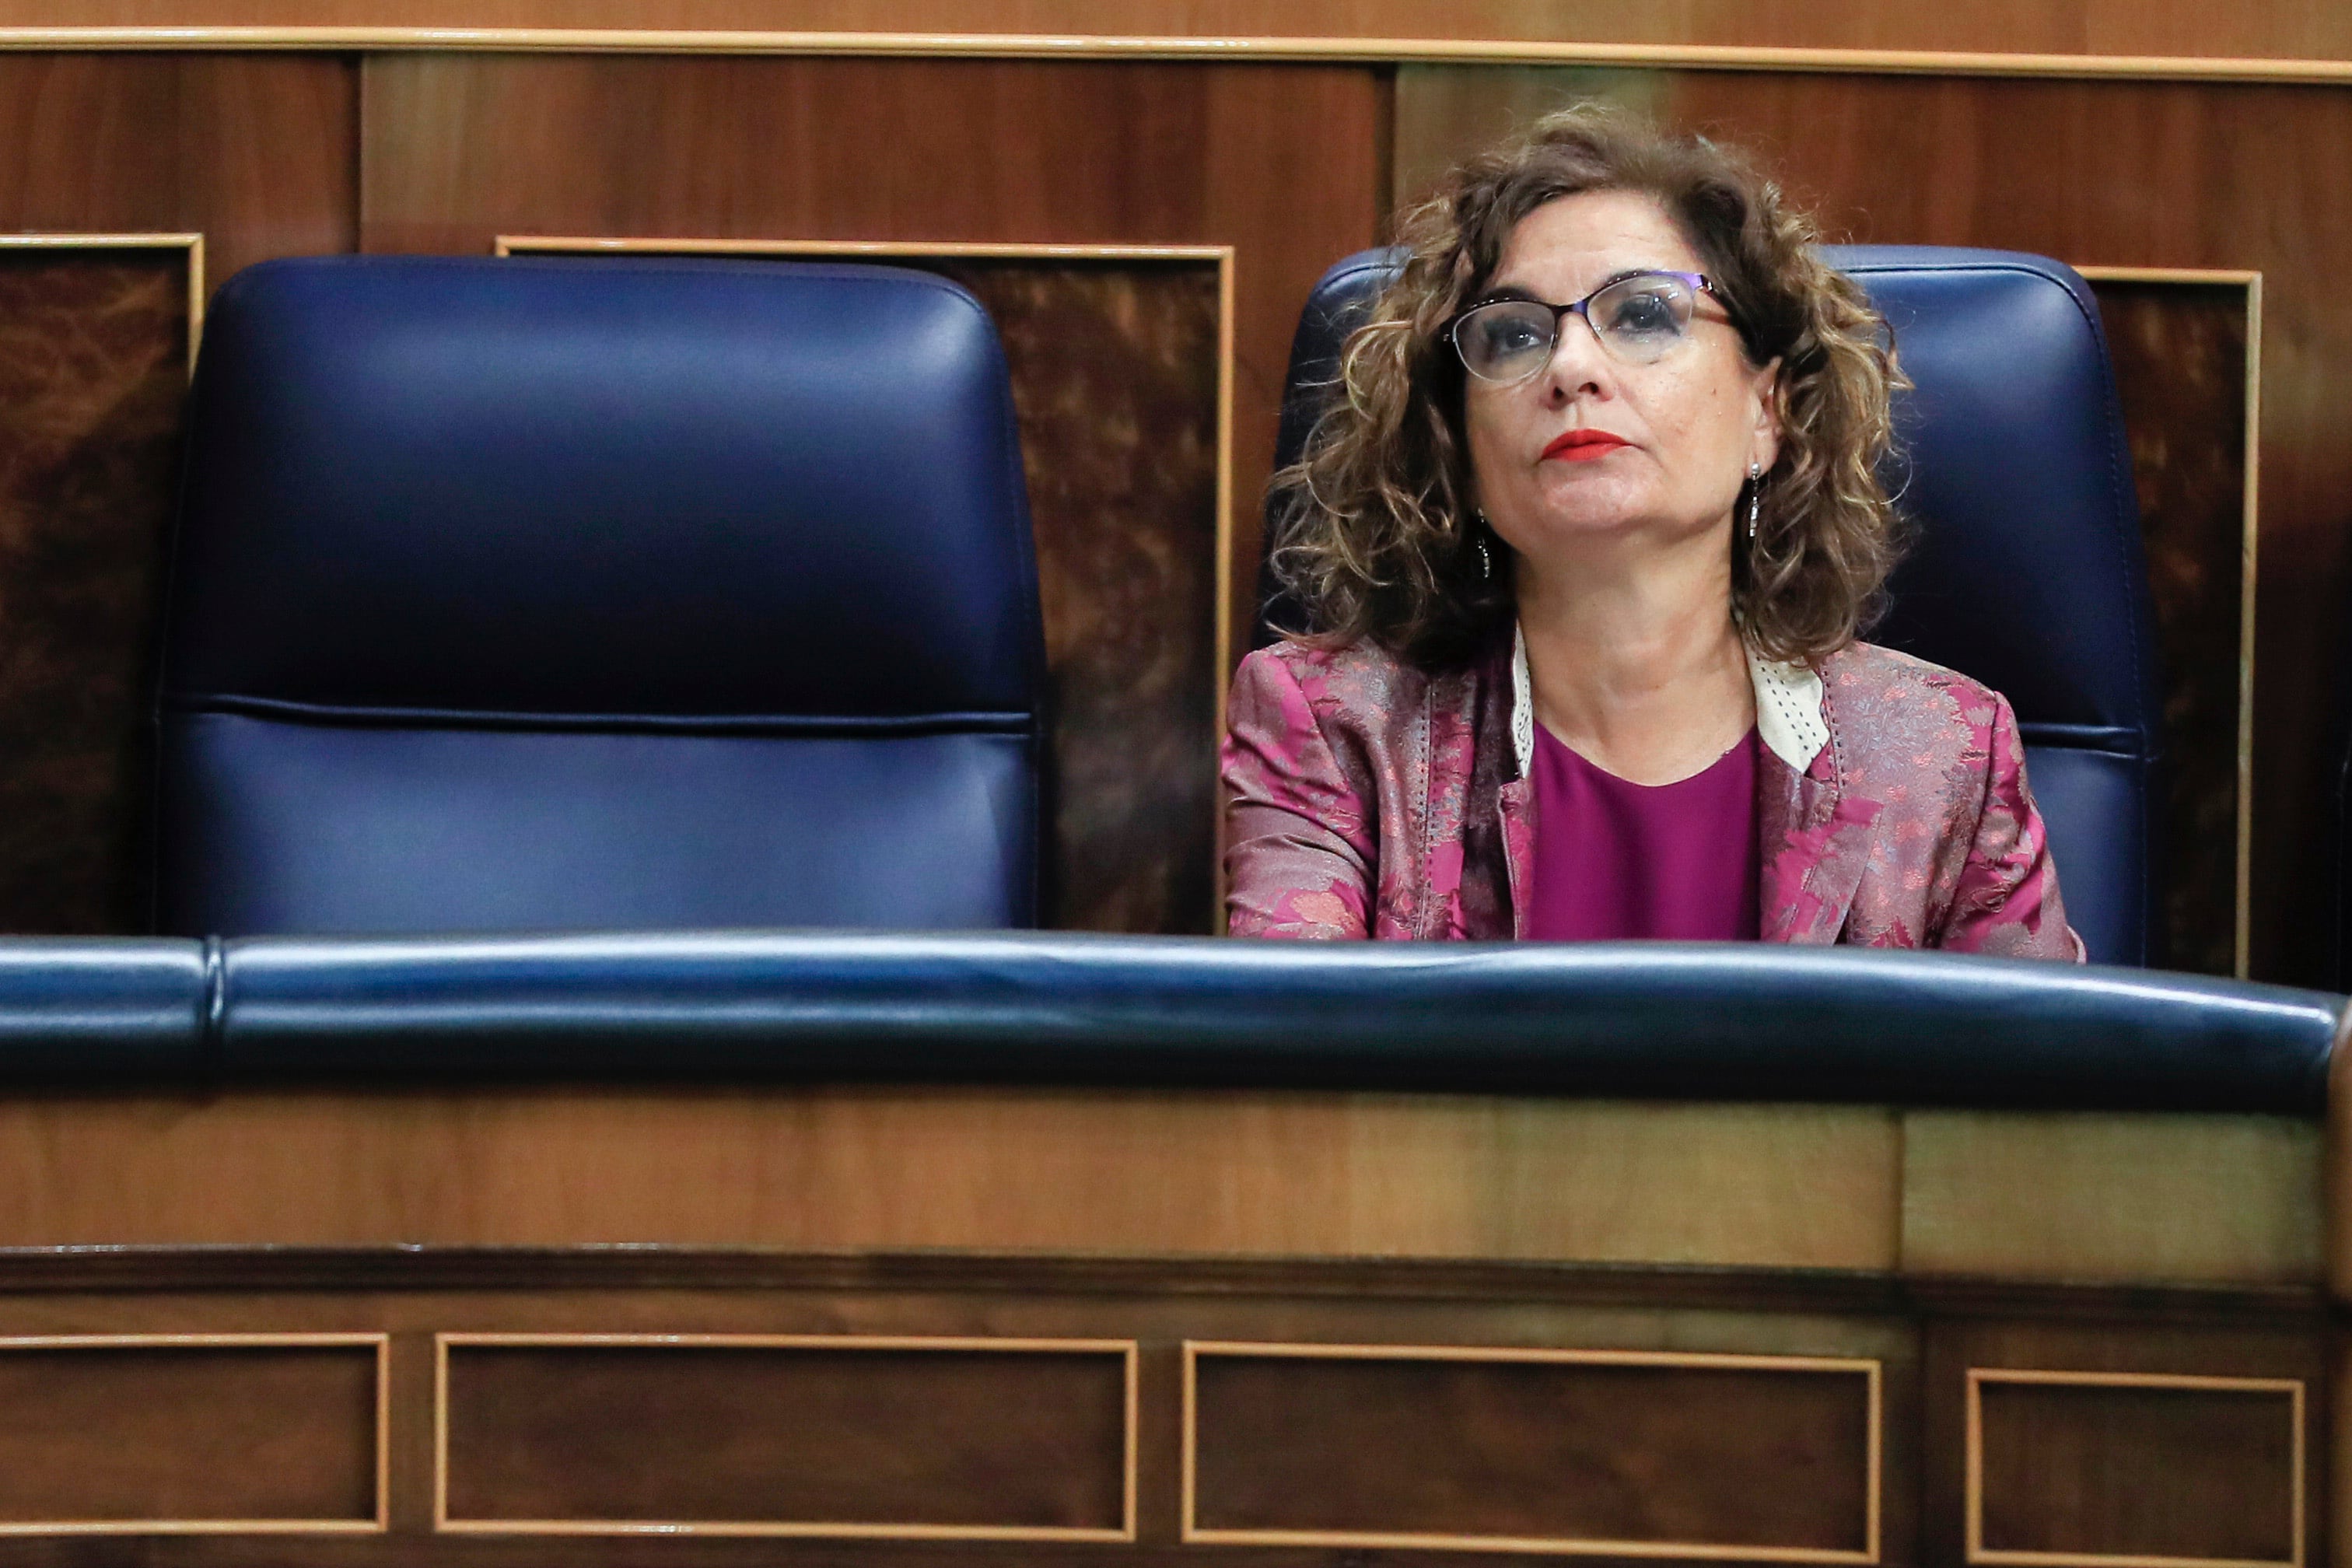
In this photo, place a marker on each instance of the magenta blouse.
(1616, 859)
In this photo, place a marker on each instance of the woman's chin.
(1588, 527)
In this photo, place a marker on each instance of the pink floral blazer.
(1365, 798)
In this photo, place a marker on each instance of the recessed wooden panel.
(1120, 365)
(96, 334)
(1759, 1459)
(165, 1435)
(783, 1435)
(2114, 1468)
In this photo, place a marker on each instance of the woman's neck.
(1636, 663)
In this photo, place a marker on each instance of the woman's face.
(1665, 446)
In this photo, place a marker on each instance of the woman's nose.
(1578, 362)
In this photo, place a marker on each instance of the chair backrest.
(599, 593)
(2025, 570)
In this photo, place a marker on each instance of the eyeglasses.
(1638, 319)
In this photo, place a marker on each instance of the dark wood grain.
(166, 1433)
(2179, 353)
(1562, 1451)
(93, 370)
(791, 1435)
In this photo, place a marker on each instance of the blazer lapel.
(1812, 844)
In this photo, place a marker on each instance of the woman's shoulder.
(1876, 694)
(1863, 669)
(1359, 677)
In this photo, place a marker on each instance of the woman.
(1588, 542)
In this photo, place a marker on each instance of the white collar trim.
(1788, 709)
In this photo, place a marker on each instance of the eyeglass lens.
(1638, 320)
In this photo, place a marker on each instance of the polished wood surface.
(1280, 163)
(2106, 174)
(1064, 1170)
(2220, 1200)
(2291, 28)
(810, 1435)
(2115, 1196)
(1631, 1453)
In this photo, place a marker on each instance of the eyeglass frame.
(1698, 282)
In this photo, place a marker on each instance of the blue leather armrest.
(1703, 1022)
(101, 1011)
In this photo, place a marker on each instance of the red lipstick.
(1583, 446)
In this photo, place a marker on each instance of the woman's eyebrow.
(1513, 291)
(1618, 276)
(1496, 295)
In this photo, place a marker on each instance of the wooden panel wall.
(955, 1409)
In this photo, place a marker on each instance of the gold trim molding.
(1085, 45)
(1869, 1369)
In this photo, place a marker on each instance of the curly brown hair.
(1373, 524)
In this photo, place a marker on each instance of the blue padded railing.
(1643, 1020)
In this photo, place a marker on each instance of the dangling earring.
(1754, 497)
(1485, 559)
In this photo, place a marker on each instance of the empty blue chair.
(569, 593)
(2025, 570)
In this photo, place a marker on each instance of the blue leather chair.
(568, 593)
(2025, 570)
